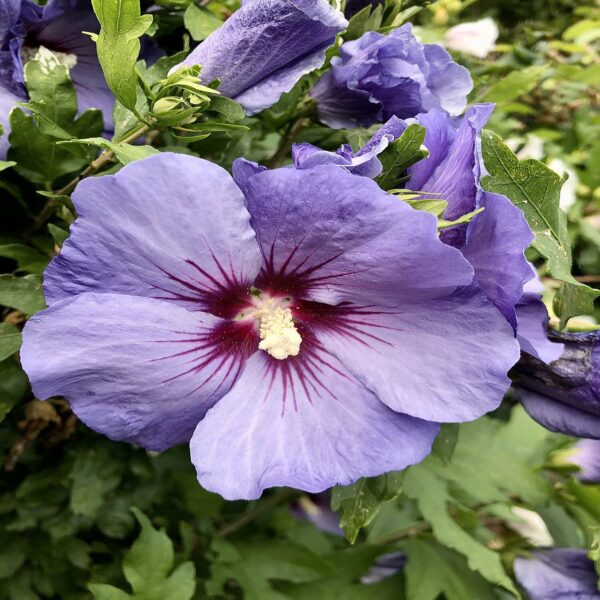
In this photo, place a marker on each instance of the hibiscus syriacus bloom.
(558, 574)
(378, 76)
(564, 396)
(265, 47)
(302, 329)
(494, 241)
(25, 28)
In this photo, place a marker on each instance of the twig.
(286, 142)
(261, 509)
(401, 534)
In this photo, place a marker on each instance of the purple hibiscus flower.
(301, 329)
(494, 241)
(264, 48)
(380, 76)
(564, 396)
(26, 27)
(558, 574)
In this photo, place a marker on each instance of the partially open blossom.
(302, 329)
(558, 574)
(25, 28)
(586, 455)
(564, 396)
(477, 38)
(378, 76)
(494, 241)
(264, 48)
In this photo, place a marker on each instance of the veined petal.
(330, 236)
(496, 242)
(442, 360)
(172, 227)
(532, 323)
(304, 422)
(264, 48)
(135, 369)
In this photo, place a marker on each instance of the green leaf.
(401, 154)
(200, 22)
(432, 497)
(118, 45)
(6, 164)
(13, 385)
(367, 19)
(10, 340)
(103, 591)
(515, 84)
(443, 224)
(125, 153)
(51, 96)
(28, 258)
(444, 444)
(23, 293)
(535, 189)
(433, 571)
(148, 563)
(359, 503)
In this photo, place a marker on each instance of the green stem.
(287, 140)
(401, 534)
(105, 157)
(257, 511)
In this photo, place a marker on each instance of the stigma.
(278, 333)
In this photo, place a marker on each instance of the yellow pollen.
(278, 334)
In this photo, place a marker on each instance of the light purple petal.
(586, 455)
(172, 227)
(532, 323)
(7, 102)
(452, 168)
(135, 369)
(264, 48)
(496, 242)
(445, 359)
(449, 82)
(329, 236)
(305, 423)
(558, 416)
(558, 574)
(9, 13)
(564, 395)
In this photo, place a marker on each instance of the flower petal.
(330, 236)
(560, 417)
(305, 423)
(496, 242)
(7, 102)
(135, 369)
(170, 226)
(532, 323)
(442, 360)
(558, 574)
(264, 48)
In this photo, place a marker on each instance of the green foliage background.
(84, 517)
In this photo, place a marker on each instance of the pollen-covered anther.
(278, 334)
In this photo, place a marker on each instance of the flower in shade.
(300, 329)
(586, 455)
(494, 241)
(26, 29)
(564, 396)
(476, 38)
(265, 47)
(558, 574)
(378, 76)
